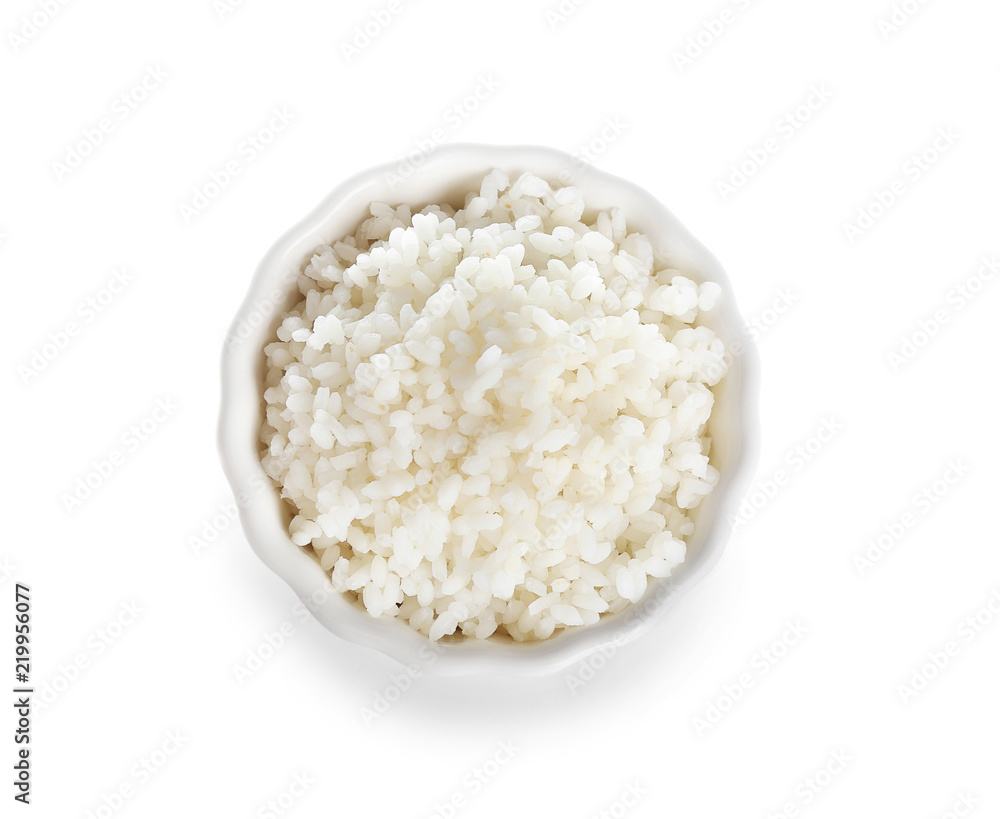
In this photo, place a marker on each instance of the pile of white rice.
(493, 419)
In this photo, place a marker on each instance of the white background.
(117, 686)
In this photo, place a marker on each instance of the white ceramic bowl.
(445, 176)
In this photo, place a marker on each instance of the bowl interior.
(445, 177)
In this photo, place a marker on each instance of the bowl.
(445, 176)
